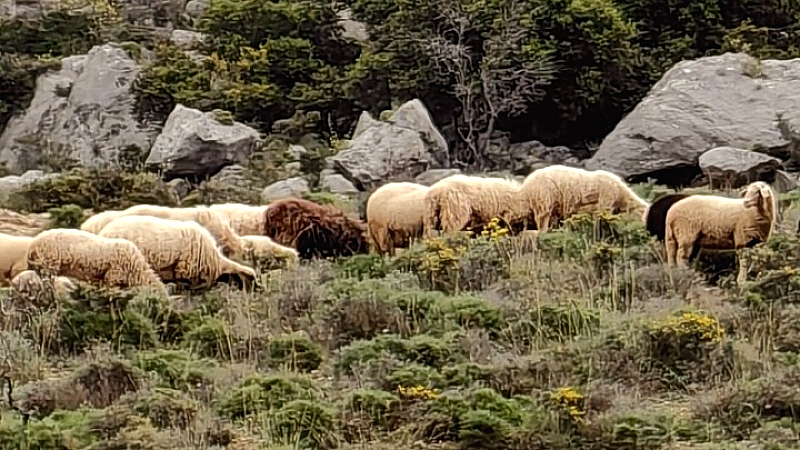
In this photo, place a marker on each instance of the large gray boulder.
(199, 144)
(733, 168)
(335, 183)
(13, 183)
(290, 187)
(727, 100)
(401, 148)
(429, 177)
(83, 112)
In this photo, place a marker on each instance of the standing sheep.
(396, 215)
(91, 258)
(229, 242)
(13, 257)
(721, 223)
(245, 220)
(180, 251)
(455, 202)
(314, 230)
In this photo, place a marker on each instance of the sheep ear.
(752, 199)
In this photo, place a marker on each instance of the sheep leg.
(742, 275)
(671, 246)
(543, 221)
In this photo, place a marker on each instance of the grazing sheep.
(13, 256)
(96, 222)
(245, 220)
(314, 230)
(180, 251)
(615, 194)
(555, 193)
(258, 248)
(655, 215)
(458, 201)
(229, 242)
(396, 215)
(720, 223)
(29, 287)
(91, 258)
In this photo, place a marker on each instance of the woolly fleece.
(91, 258)
(180, 251)
(396, 215)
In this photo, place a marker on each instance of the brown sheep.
(314, 230)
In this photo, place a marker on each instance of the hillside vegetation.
(587, 341)
(562, 72)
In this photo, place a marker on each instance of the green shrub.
(375, 406)
(308, 423)
(167, 408)
(265, 394)
(211, 337)
(67, 216)
(295, 350)
(99, 189)
(176, 369)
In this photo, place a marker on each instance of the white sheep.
(245, 220)
(91, 258)
(29, 287)
(258, 248)
(96, 222)
(396, 215)
(555, 193)
(457, 201)
(229, 242)
(721, 223)
(13, 256)
(180, 251)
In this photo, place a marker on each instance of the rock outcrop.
(333, 182)
(727, 167)
(198, 144)
(402, 148)
(290, 187)
(83, 112)
(728, 100)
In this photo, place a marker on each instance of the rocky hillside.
(319, 96)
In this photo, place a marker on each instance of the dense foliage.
(604, 56)
(561, 71)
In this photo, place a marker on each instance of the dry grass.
(586, 340)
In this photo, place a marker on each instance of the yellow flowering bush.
(493, 230)
(417, 392)
(686, 346)
(688, 328)
(571, 401)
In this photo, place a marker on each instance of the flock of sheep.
(148, 246)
